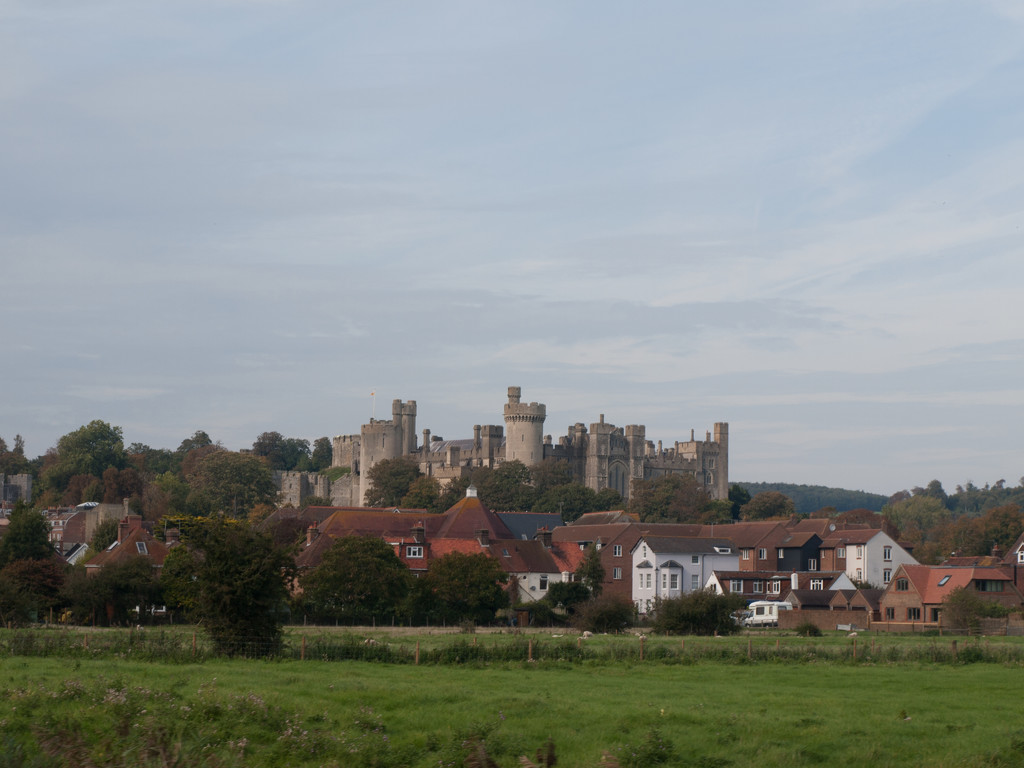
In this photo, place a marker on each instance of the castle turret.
(524, 429)
(721, 475)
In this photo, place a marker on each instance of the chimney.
(794, 581)
(484, 537)
(419, 532)
(544, 535)
(122, 530)
(312, 534)
(172, 537)
(127, 509)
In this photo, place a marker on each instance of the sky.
(800, 218)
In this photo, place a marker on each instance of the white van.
(765, 613)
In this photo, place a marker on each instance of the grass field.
(116, 711)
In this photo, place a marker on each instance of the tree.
(14, 462)
(549, 473)
(571, 501)
(567, 595)
(606, 499)
(590, 571)
(668, 498)
(323, 454)
(768, 505)
(738, 496)
(230, 483)
(702, 612)
(507, 488)
(284, 453)
(918, 518)
(27, 537)
(239, 592)
(112, 595)
(359, 579)
(608, 613)
(104, 534)
(390, 480)
(964, 609)
(466, 587)
(424, 493)
(29, 587)
(199, 439)
(88, 450)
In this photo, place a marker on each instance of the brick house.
(915, 595)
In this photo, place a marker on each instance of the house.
(775, 585)
(868, 556)
(469, 527)
(671, 566)
(915, 595)
(133, 540)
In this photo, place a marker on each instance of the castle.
(606, 456)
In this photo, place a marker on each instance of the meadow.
(738, 702)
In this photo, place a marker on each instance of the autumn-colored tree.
(229, 483)
(768, 505)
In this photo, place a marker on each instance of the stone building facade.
(603, 456)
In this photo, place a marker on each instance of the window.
(694, 581)
(664, 581)
(617, 550)
(886, 575)
(890, 614)
(841, 553)
(1020, 556)
(812, 564)
(695, 559)
(650, 580)
(913, 614)
(987, 585)
(817, 583)
(780, 553)
(775, 586)
(860, 550)
(414, 552)
(860, 575)
(762, 554)
(616, 573)
(887, 554)
(745, 554)
(758, 587)
(141, 546)
(673, 582)
(735, 585)
(543, 582)
(902, 585)
(935, 614)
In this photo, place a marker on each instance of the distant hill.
(811, 498)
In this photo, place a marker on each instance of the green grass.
(120, 712)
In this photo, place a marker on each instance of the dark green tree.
(239, 591)
(111, 596)
(570, 501)
(549, 473)
(668, 498)
(567, 595)
(608, 613)
(466, 587)
(28, 588)
(323, 454)
(608, 499)
(390, 481)
(88, 450)
(590, 571)
(104, 534)
(27, 537)
(359, 580)
(768, 505)
(14, 462)
(224, 482)
(697, 613)
(507, 488)
(738, 496)
(424, 493)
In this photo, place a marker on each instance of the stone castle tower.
(380, 440)
(524, 429)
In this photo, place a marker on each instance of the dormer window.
(141, 546)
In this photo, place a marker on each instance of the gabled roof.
(468, 516)
(138, 543)
(604, 518)
(524, 525)
(846, 538)
(810, 598)
(934, 582)
(683, 544)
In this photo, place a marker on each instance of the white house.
(670, 566)
(867, 556)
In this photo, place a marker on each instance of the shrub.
(698, 613)
(808, 629)
(608, 613)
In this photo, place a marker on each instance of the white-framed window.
(414, 551)
(860, 550)
(736, 585)
(141, 547)
(860, 575)
(616, 573)
(543, 582)
(817, 583)
(650, 580)
(745, 554)
(1020, 556)
(812, 564)
(673, 581)
(780, 553)
(694, 581)
(616, 550)
(887, 575)
(841, 553)
(758, 587)
(887, 554)
(775, 586)
(695, 559)
(664, 581)
(762, 554)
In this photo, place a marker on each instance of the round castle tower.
(524, 429)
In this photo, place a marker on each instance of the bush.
(608, 613)
(808, 629)
(698, 613)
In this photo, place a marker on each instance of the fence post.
(579, 643)
(86, 641)
(193, 645)
(641, 647)
(777, 645)
(530, 650)
(954, 649)
(417, 653)
(855, 649)
(303, 656)
(750, 648)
